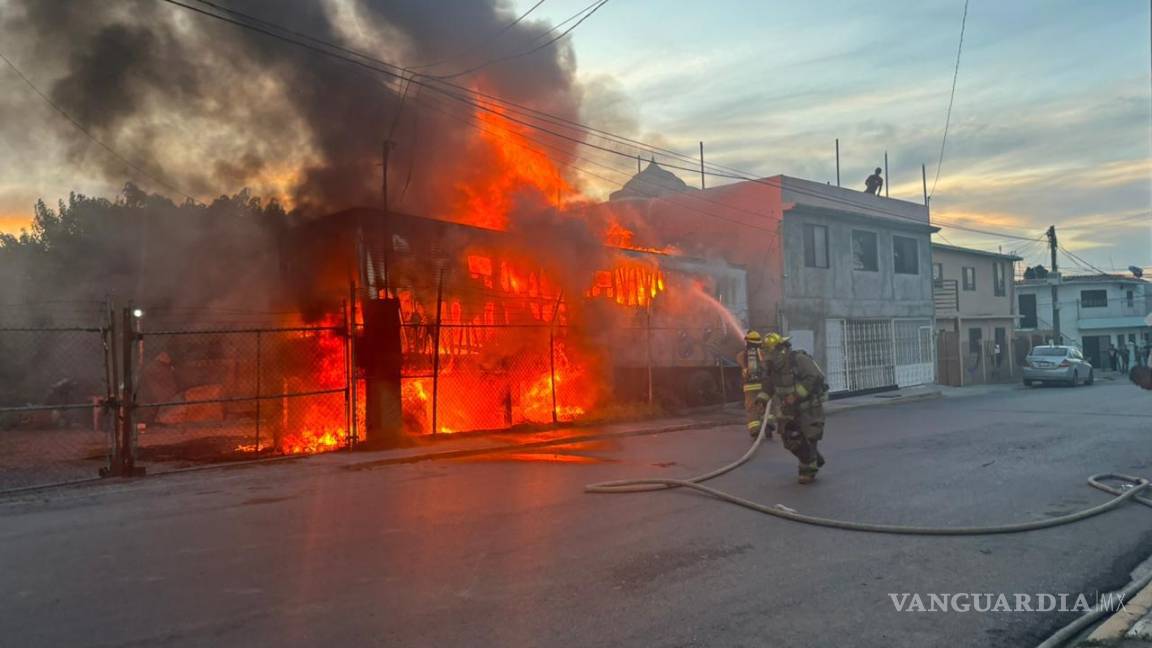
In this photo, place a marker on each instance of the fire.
(310, 424)
(618, 236)
(510, 167)
(630, 283)
(316, 425)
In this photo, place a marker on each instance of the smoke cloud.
(211, 107)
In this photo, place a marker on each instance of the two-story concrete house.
(975, 301)
(858, 285)
(1096, 312)
(846, 274)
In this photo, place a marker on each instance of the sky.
(1051, 124)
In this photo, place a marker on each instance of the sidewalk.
(451, 446)
(1129, 627)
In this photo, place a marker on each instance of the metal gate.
(836, 369)
(914, 352)
(56, 395)
(868, 354)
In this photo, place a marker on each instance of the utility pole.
(1055, 278)
(385, 152)
(924, 179)
(837, 161)
(702, 166)
(887, 178)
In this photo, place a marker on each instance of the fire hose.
(1132, 487)
(1131, 490)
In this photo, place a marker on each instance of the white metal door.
(835, 369)
(912, 340)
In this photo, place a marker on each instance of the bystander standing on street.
(1122, 353)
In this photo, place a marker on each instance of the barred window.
(1094, 298)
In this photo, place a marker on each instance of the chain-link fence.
(56, 403)
(212, 395)
(493, 377)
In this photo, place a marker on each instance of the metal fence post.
(349, 385)
(552, 367)
(353, 409)
(127, 459)
(111, 402)
(648, 344)
(436, 353)
(259, 373)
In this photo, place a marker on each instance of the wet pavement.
(505, 550)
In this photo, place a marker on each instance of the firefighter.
(796, 386)
(755, 400)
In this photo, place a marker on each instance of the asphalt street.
(507, 551)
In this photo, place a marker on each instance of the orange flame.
(515, 167)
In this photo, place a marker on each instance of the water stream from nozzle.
(730, 321)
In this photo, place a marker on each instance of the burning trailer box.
(555, 322)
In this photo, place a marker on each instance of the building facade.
(846, 274)
(857, 285)
(975, 301)
(1096, 312)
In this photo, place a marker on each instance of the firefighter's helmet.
(754, 338)
(773, 340)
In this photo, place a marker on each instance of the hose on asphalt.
(1121, 495)
(1069, 632)
(1134, 486)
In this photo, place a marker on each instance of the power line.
(1073, 256)
(371, 63)
(1111, 221)
(474, 122)
(767, 182)
(481, 43)
(80, 127)
(587, 11)
(951, 99)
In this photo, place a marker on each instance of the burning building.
(501, 328)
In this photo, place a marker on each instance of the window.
(998, 279)
(1094, 298)
(816, 246)
(938, 274)
(906, 255)
(1129, 297)
(1027, 311)
(864, 255)
(969, 278)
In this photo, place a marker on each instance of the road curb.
(1130, 627)
(506, 447)
(832, 408)
(433, 455)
